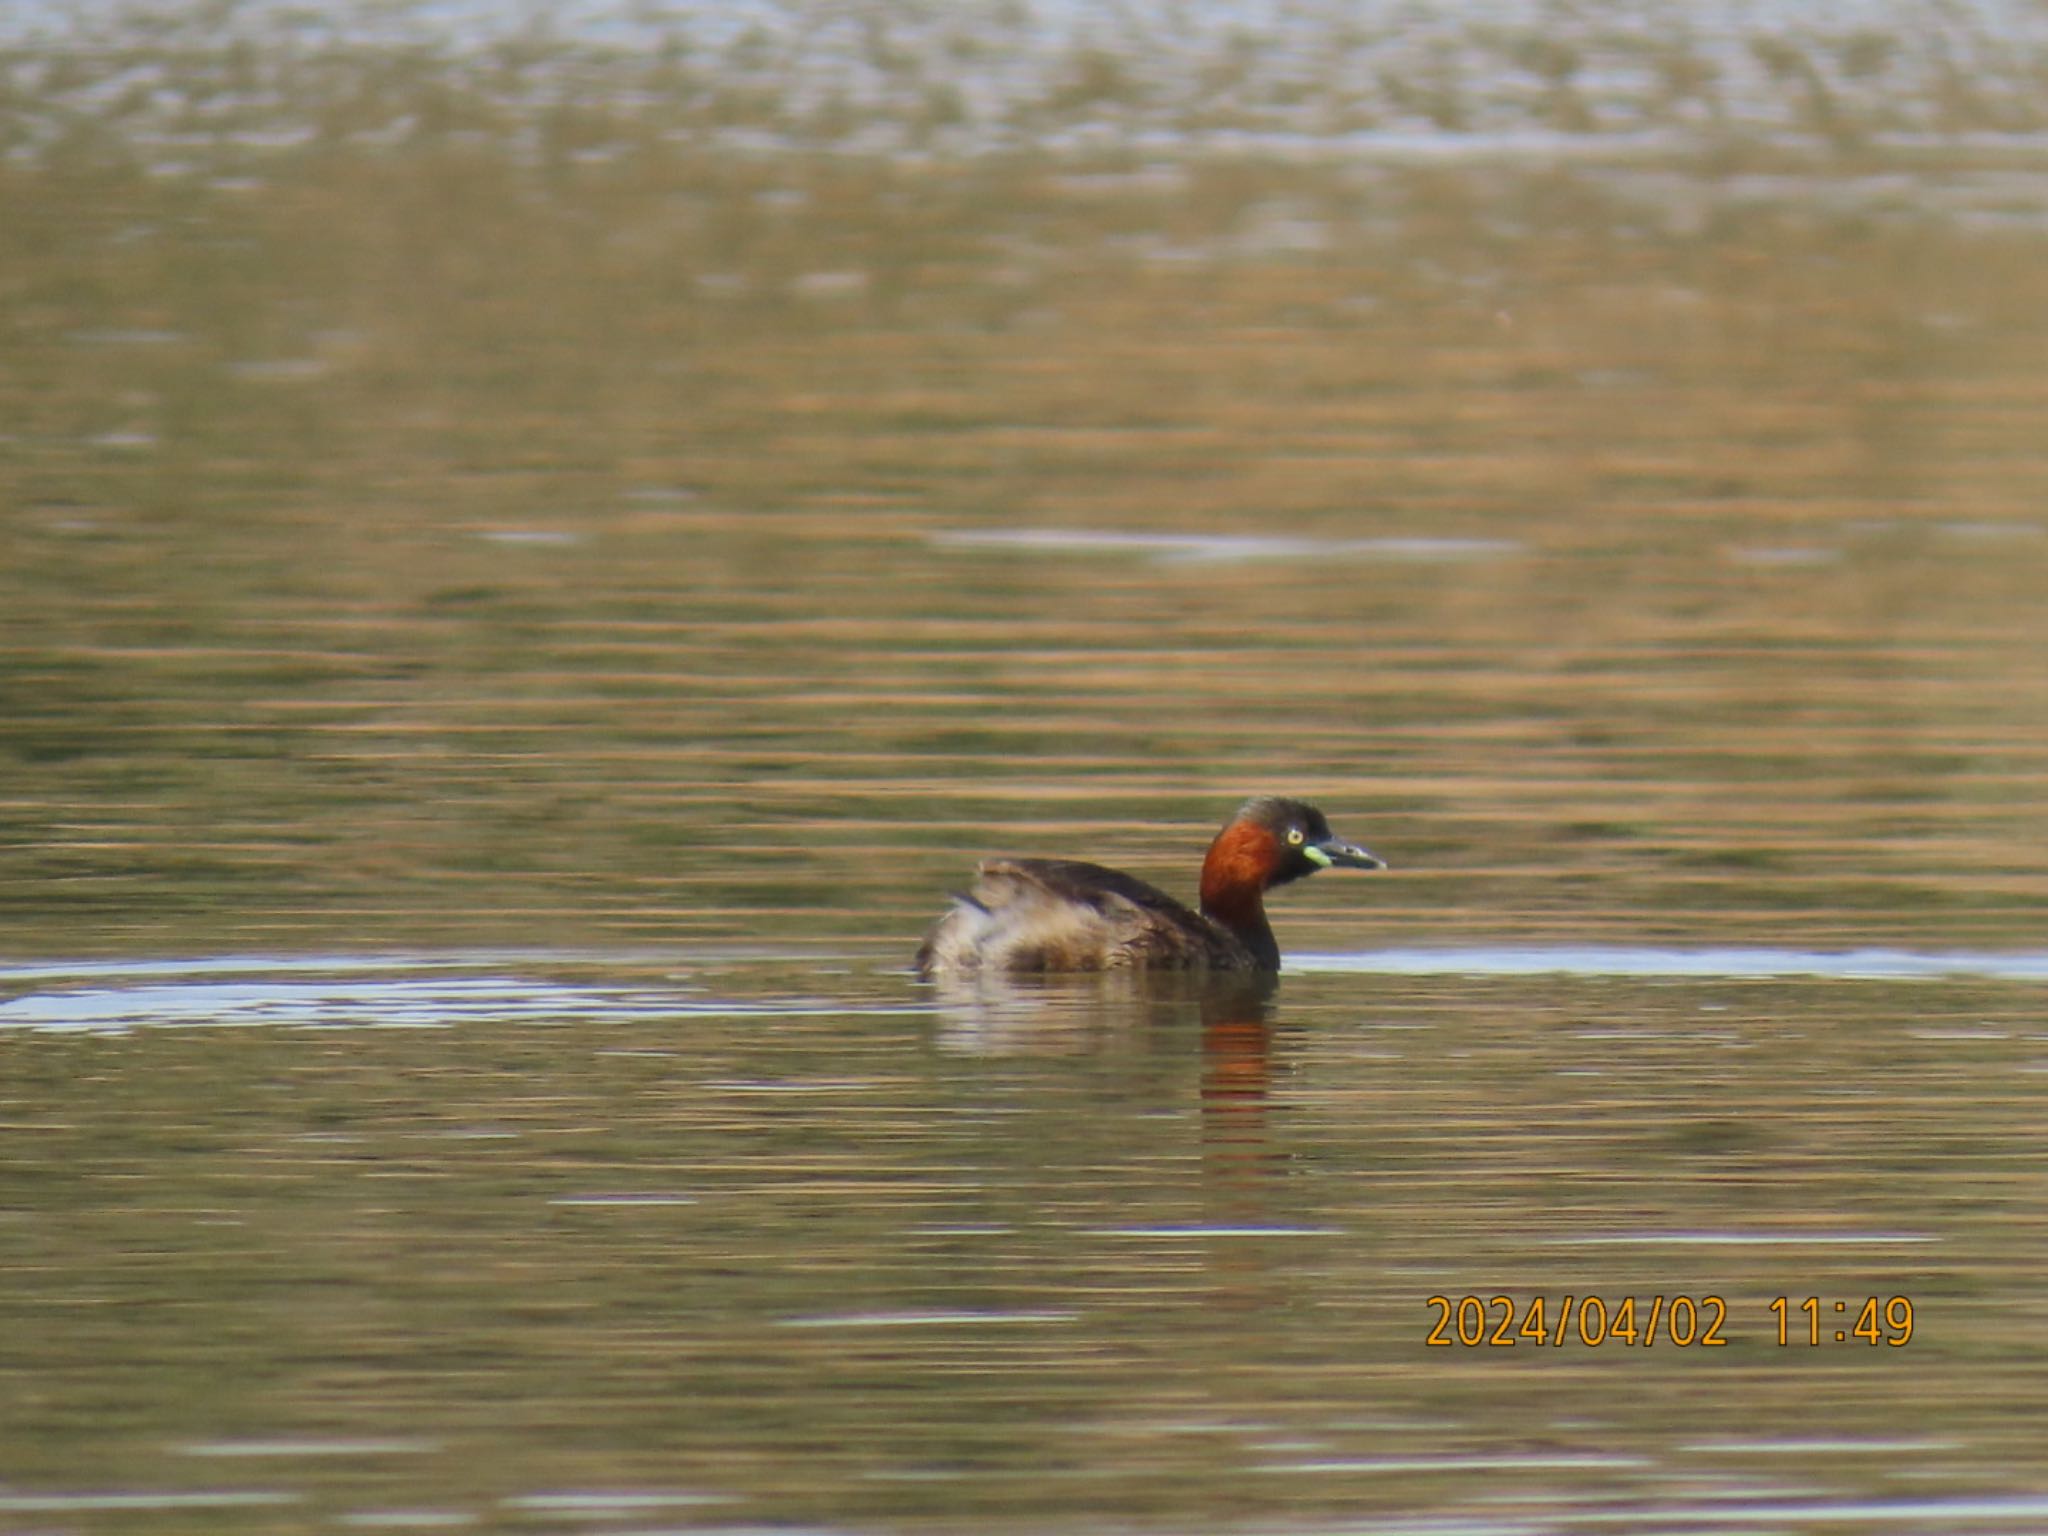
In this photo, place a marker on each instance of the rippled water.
(529, 567)
(713, 1242)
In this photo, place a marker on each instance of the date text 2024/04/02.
(1503, 1322)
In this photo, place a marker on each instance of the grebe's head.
(1302, 841)
(1269, 842)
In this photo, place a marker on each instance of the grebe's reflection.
(1069, 1015)
(1168, 1038)
(1147, 1015)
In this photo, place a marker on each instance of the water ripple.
(1223, 547)
(332, 992)
(362, 992)
(1700, 964)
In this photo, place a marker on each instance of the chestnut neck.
(1235, 875)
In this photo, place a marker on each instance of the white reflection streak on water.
(1222, 547)
(277, 994)
(405, 1002)
(1725, 963)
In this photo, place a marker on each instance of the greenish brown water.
(572, 616)
(415, 549)
(719, 1245)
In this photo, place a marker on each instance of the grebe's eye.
(1294, 837)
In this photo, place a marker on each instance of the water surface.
(720, 1243)
(530, 562)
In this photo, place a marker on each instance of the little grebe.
(1027, 915)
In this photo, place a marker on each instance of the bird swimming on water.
(1032, 915)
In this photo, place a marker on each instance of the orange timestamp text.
(1500, 1322)
(1645, 1322)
